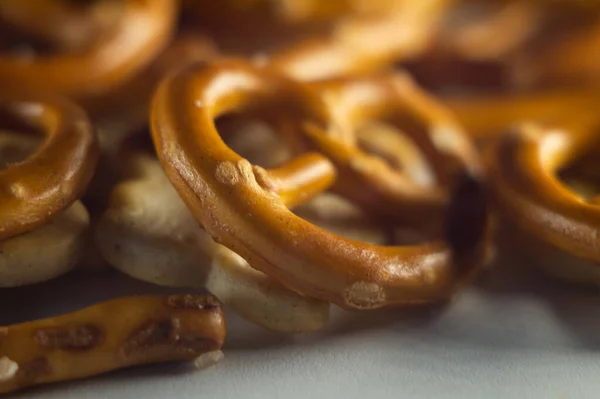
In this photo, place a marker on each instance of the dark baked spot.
(193, 301)
(83, 337)
(149, 335)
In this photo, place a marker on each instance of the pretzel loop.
(242, 214)
(143, 29)
(37, 189)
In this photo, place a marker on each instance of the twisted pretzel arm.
(242, 213)
(143, 29)
(37, 189)
(391, 192)
(111, 335)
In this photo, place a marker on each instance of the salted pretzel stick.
(37, 189)
(553, 222)
(111, 335)
(358, 45)
(241, 209)
(148, 233)
(142, 31)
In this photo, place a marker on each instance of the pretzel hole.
(254, 139)
(18, 139)
(337, 215)
(392, 145)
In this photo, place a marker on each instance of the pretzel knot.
(245, 208)
(555, 223)
(36, 190)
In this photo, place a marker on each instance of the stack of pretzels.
(284, 155)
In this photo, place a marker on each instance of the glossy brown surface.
(111, 335)
(230, 199)
(390, 191)
(48, 182)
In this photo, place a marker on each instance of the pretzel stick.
(112, 335)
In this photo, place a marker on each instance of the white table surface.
(513, 334)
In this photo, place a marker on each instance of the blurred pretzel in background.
(137, 35)
(215, 183)
(372, 195)
(555, 224)
(356, 37)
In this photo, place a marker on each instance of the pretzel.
(238, 203)
(487, 30)
(111, 335)
(357, 45)
(554, 223)
(148, 233)
(570, 60)
(141, 32)
(49, 250)
(47, 183)
(64, 25)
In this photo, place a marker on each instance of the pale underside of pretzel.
(148, 233)
(111, 335)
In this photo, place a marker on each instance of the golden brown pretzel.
(359, 44)
(141, 32)
(237, 204)
(552, 221)
(60, 24)
(385, 190)
(48, 182)
(569, 60)
(111, 335)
